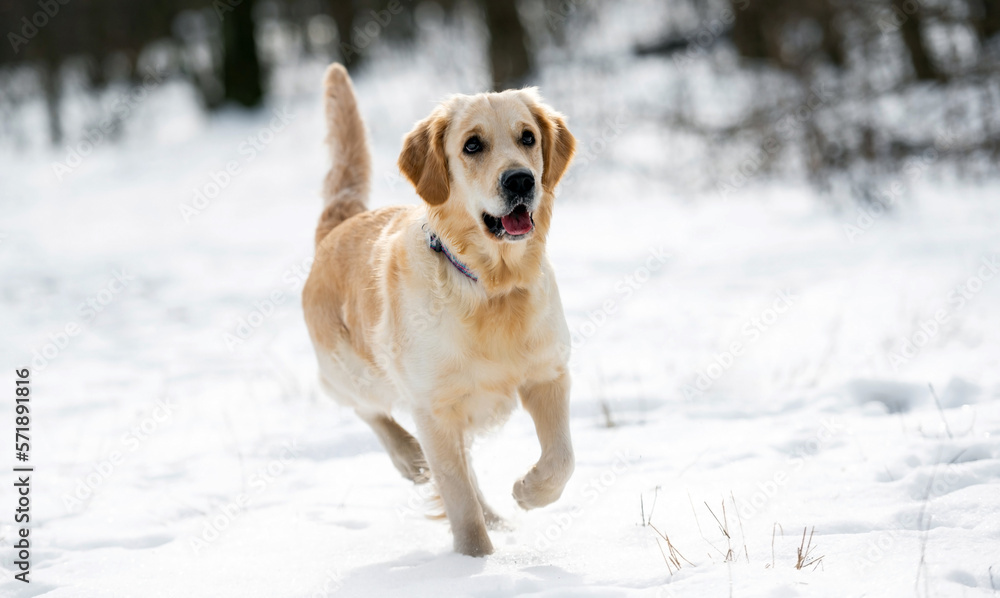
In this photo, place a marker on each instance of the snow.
(172, 460)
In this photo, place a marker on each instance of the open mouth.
(515, 224)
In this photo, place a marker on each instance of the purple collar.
(434, 242)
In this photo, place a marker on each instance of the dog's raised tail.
(348, 183)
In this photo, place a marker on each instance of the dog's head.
(487, 166)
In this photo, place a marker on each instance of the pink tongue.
(517, 222)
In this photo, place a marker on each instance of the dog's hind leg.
(403, 448)
(493, 521)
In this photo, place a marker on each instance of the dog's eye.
(473, 146)
(528, 138)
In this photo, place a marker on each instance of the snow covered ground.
(754, 352)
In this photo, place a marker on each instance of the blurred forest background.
(841, 92)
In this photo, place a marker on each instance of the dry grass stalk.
(774, 528)
(728, 556)
(743, 536)
(804, 551)
(672, 557)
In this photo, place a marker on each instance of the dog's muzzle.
(517, 187)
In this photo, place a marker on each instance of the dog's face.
(487, 165)
(496, 163)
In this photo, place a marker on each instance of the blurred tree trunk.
(343, 15)
(51, 63)
(833, 39)
(759, 30)
(986, 18)
(241, 77)
(510, 60)
(53, 93)
(749, 34)
(911, 30)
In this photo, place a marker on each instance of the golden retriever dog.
(448, 308)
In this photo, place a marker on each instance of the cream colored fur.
(395, 325)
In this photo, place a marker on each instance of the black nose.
(518, 182)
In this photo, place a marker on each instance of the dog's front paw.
(544, 484)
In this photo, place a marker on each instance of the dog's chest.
(492, 356)
(471, 365)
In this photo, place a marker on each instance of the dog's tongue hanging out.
(517, 222)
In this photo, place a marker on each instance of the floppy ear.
(423, 160)
(558, 145)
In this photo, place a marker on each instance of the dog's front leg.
(444, 447)
(548, 404)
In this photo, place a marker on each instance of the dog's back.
(340, 298)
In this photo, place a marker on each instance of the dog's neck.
(510, 267)
(434, 242)
(499, 268)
